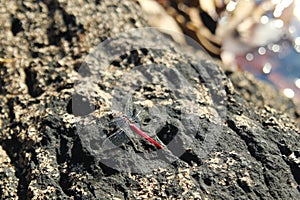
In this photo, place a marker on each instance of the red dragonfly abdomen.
(144, 135)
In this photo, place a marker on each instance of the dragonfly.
(128, 126)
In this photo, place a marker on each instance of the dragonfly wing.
(115, 140)
(122, 136)
(128, 110)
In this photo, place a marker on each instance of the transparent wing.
(135, 118)
(122, 136)
(115, 140)
(128, 110)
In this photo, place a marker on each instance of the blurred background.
(258, 36)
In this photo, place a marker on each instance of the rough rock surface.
(47, 151)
